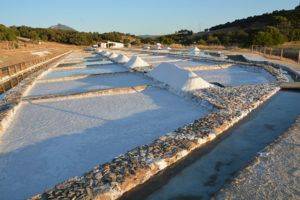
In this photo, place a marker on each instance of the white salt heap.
(121, 59)
(103, 52)
(136, 62)
(194, 51)
(178, 78)
(106, 54)
(98, 51)
(113, 55)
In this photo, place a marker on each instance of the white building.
(158, 46)
(102, 45)
(109, 44)
(115, 44)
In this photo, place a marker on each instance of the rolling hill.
(289, 18)
(62, 27)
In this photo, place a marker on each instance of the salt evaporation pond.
(236, 75)
(85, 71)
(205, 172)
(89, 83)
(83, 64)
(152, 56)
(159, 59)
(98, 62)
(48, 142)
(190, 63)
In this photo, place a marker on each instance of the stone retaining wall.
(111, 180)
(79, 76)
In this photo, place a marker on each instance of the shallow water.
(211, 167)
(101, 69)
(237, 75)
(89, 83)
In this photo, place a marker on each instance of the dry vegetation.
(13, 53)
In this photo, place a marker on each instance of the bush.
(270, 37)
(201, 42)
(166, 40)
(6, 34)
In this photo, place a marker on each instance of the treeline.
(62, 36)
(267, 30)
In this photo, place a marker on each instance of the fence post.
(252, 48)
(299, 56)
(260, 50)
(2, 88)
(271, 51)
(281, 54)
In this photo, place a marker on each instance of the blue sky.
(134, 16)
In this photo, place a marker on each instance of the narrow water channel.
(208, 169)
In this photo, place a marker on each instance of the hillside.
(63, 34)
(268, 29)
(285, 17)
(62, 27)
(148, 36)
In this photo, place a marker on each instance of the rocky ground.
(274, 174)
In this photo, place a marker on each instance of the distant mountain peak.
(62, 27)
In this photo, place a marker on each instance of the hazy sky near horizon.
(134, 16)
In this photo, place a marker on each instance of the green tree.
(202, 42)
(213, 40)
(6, 33)
(270, 37)
(281, 22)
(136, 42)
(263, 38)
(126, 41)
(294, 35)
(166, 40)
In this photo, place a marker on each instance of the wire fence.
(281, 53)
